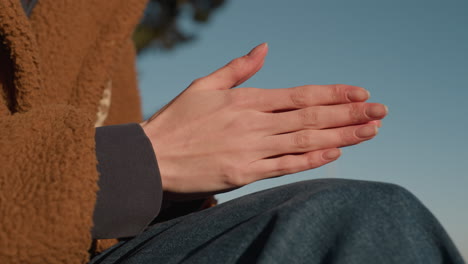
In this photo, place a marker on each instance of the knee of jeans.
(376, 198)
(356, 193)
(362, 195)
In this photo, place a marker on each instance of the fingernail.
(331, 154)
(358, 95)
(376, 111)
(367, 131)
(257, 49)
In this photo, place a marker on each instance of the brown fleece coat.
(63, 71)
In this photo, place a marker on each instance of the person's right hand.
(212, 138)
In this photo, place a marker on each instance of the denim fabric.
(319, 221)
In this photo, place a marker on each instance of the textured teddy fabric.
(55, 67)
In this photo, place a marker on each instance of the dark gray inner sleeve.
(28, 6)
(130, 186)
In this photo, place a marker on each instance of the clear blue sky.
(411, 54)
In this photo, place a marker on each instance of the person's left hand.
(213, 139)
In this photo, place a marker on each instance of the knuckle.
(198, 81)
(298, 97)
(236, 124)
(235, 176)
(283, 166)
(346, 136)
(356, 112)
(309, 117)
(312, 161)
(337, 92)
(258, 121)
(238, 97)
(237, 63)
(301, 140)
(245, 123)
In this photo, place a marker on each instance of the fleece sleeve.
(130, 190)
(48, 184)
(52, 75)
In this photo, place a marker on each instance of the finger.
(378, 123)
(321, 117)
(269, 100)
(311, 140)
(235, 72)
(288, 164)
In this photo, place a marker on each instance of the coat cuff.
(130, 186)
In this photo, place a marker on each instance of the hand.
(213, 139)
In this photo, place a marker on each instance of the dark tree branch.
(159, 27)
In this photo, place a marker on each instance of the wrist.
(148, 130)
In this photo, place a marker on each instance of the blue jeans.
(318, 221)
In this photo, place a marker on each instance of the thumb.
(235, 72)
